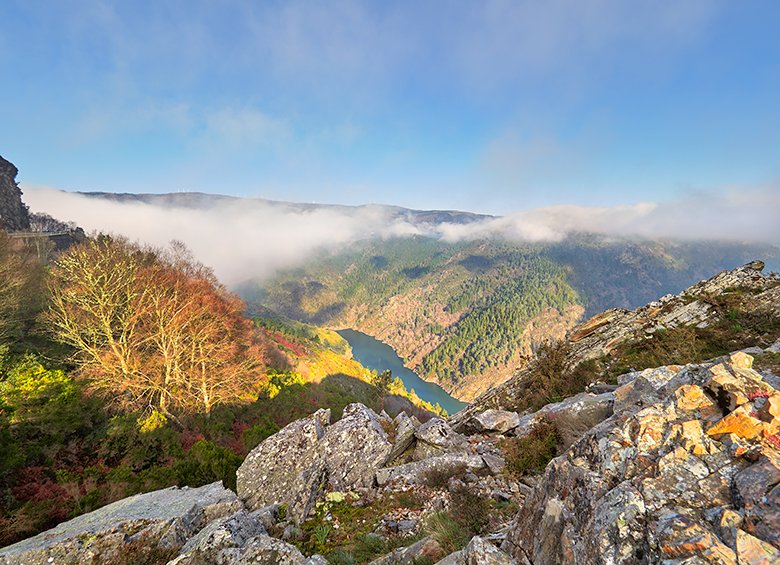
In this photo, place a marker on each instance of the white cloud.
(746, 214)
(238, 238)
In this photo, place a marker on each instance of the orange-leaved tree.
(154, 329)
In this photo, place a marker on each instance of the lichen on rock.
(667, 481)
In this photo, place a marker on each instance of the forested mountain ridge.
(732, 310)
(467, 314)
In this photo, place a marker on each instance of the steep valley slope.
(467, 315)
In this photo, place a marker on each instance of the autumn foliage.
(153, 329)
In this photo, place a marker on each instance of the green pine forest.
(468, 314)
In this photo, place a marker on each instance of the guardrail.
(21, 234)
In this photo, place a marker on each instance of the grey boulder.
(447, 465)
(159, 521)
(273, 472)
(478, 552)
(295, 466)
(493, 420)
(435, 437)
(572, 417)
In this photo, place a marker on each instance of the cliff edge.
(14, 215)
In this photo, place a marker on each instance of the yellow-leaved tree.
(154, 329)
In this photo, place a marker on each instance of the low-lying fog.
(245, 238)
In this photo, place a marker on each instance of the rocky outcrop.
(405, 426)
(602, 334)
(14, 215)
(436, 437)
(689, 474)
(495, 421)
(240, 538)
(421, 471)
(571, 417)
(159, 522)
(479, 552)
(283, 468)
(294, 466)
(685, 469)
(181, 526)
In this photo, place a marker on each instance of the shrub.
(531, 453)
(470, 510)
(341, 557)
(369, 546)
(264, 429)
(42, 402)
(551, 378)
(439, 478)
(408, 499)
(448, 533)
(206, 463)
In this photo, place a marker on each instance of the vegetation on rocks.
(344, 531)
(685, 469)
(530, 453)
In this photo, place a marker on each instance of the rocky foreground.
(674, 464)
(683, 467)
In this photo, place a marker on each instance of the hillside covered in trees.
(124, 369)
(467, 314)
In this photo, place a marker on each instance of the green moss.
(353, 541)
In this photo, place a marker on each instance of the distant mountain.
(465, 314)
(200, 200)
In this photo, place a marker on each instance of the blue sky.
(492, 106)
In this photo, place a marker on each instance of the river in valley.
(373, 354)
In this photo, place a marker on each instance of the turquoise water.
(373, 354)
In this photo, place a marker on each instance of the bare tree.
(94, 308)
(154, 328)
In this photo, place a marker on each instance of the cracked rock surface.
(693, 477)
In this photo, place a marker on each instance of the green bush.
(259, 432)
(447, 532)
(531, 453)
(206, 463)
(41, 401)
(126, 443)
(41, 409)
(470, 510)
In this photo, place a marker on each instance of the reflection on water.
(373, 354)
